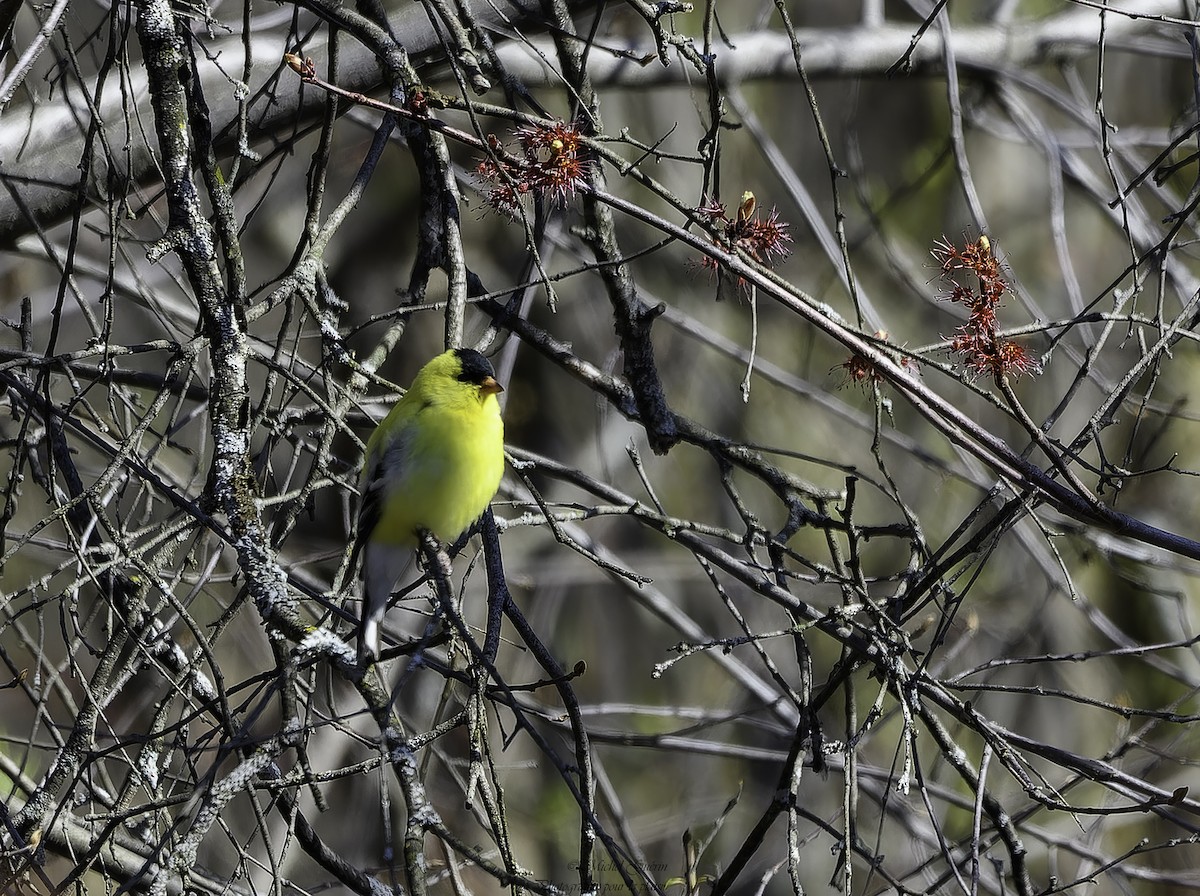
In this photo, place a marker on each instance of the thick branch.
(41, 146)
(851, 52)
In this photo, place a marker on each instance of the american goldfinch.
(433, 464)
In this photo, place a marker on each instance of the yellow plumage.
(433, 464)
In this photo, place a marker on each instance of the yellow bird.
(433, 464)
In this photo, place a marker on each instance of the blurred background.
(822, 633)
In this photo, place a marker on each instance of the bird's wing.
(382, 472)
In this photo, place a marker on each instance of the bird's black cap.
(475, 367)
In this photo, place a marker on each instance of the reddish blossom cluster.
(549, 163)
(977, 342)
(763, 239)
(862, 372)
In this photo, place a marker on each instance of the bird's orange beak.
(489, 386)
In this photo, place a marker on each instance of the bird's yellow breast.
(451, 463)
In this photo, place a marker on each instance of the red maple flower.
(974, 277)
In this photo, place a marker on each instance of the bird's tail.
(383, 566)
